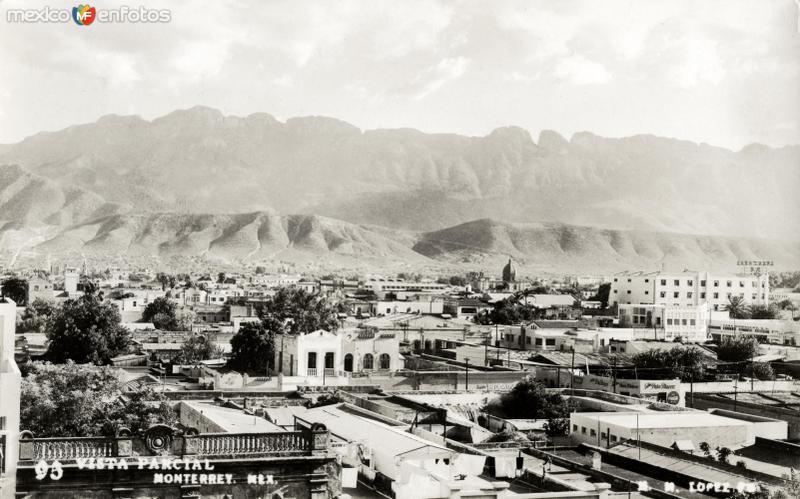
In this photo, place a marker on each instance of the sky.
(724, 72)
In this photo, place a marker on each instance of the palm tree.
(737, 309)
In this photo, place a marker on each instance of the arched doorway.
(348, 363)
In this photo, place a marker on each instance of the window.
(716, 284)
(675, 294)
(583, 430)
(528, 340)
(2, 423)
(629, 280)
(689, 294)
(663, 294)
(384, 361)
(592, 433)
(615, 279)
(690, 282)
(716, 295)
(613, 438)
(729, 283)
(741, 284)
(669, 322)
(647, 280)
(663, 282)
(329, 360)
(575, 427)
(676, 282)
(703, 294)
(693, 322)
(602, 434)
(703, 283)
(312, 360)
(683, 322)
(629, 291)
(368, 361)
(550, 341)
(646, 292)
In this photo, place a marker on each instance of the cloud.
(578, 70)
(434, 77)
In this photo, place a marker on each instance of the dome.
(510, 272)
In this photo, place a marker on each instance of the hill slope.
(200, 161)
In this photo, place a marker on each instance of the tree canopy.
(72, 400)
(737, 348)
(86, 330)
(162, 312)
(17, 289)
(529, 399)
(196, 348)
(301, 311)
(253, 346)
(686, 363)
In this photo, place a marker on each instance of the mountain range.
(196, 182)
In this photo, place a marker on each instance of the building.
(10, 380)
(430, 305)
(606, 429)
(465, 308)
(323, 354)
(689, 288)
(687, 322)
(399, 288)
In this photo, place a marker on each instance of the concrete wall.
(9, 400)
(792, 417)
(764, 427)
(193, 418)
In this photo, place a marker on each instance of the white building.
(324, 353)
(10, 380)
(688, 288)
(688, 322)
(661, 428)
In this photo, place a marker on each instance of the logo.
(673, 397)
(83, 15)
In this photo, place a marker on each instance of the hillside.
(200, 161)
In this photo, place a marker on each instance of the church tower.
(510, 272)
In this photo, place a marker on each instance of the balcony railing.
(249, 444)
(306, 441)
(72, 448)
(311, 371)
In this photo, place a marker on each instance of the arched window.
(384, 361)
(368, 361)
(348, 362)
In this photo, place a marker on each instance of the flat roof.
(671, 419)
(376, 435)
(234, 420)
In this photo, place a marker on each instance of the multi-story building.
(689, 288)
(10, 380)
(688, 322)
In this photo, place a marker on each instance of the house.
(327, 354)
(465, 308)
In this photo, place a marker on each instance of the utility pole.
(486, 350)
(496, 343)
(614, 376)
(466, 373)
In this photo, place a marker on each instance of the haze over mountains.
(197, 182)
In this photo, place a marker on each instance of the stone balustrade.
(305, 442)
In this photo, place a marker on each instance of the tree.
(36, 316)
(86, 330)
(686, 363)
(723, 453)
(197, 348)
(529, 399)
(16, 289)
(705, 449)
(221, 278)
(737, 348)
(602, 294)
(184, 319)
(302, 311)
(161, 312)
(253, 346)
(764, 312)
(71, 400)
(737, 309)
(762, 371)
